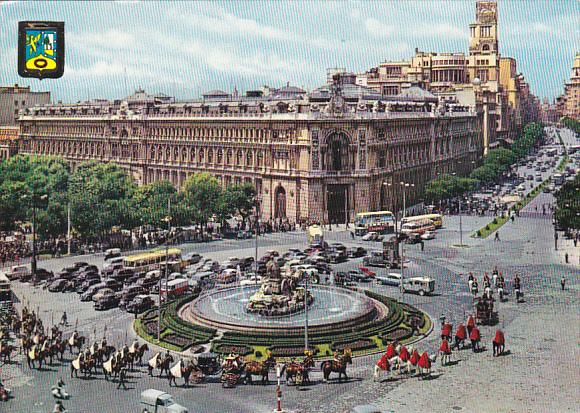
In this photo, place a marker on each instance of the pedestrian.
(352, 234)
(563, 282)
(496, 236)
(122, 378)
(422, 245)
(567, 258)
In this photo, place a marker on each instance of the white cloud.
(378, 28)
(111, 39)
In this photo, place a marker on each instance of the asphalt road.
(525, 246)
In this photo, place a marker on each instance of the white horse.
(393, 363)
(445, 358)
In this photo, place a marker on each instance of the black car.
(57, 285)
(80, 264)
(86, 284)
(113, 284)
(107, 272)
(107, 302)
(356, 252)
(122, 274)
(131, 280)
(140, 304)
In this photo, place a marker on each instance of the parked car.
(252, 280)
(111, 269)
(368, 272)
(57, 285)
(122, 274)
(92, 290)
(147, 282)
(42, 274)
(86, 284)
(103, 292)
(80, 264)
(106, 302)
(372, 236)
(17, 272)
(112, 253)
(358, 275)
(139, 304)
(128, 294)
(192, 258)
(356, 252)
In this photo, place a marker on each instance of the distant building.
(483, 74)
(319, 156)
(14, 98)
(568, 104)
(8, 141)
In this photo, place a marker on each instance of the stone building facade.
(568, 104)
(319, 156)
(14, 98)
(8, 141)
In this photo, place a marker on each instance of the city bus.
(144, 262)
(417, 227)
(5, 293)
(380, 221)
(437, 219)
(174, 288)
(315, 234)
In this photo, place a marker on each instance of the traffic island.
(366, 324)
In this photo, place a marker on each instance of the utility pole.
(256, 243)
(68, 240)
(306, 311)
(168, 219)
(402, 289)
(460, 224)
(33, 262)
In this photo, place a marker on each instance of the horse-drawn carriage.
(484, 313)
(210, 364)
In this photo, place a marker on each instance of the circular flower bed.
(227, 349)
(357, 345)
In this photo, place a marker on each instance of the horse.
(184, 372)
(336, 366)
(258, 368)
(83, 364)
(112, 367)
(390, 365)
(35, 354)
(76, 341)
(164, 364)
(140, 352)
(57, 348)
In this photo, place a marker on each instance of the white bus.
(5, 293)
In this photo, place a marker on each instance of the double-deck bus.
(381, 221)
(5, 293)
(437, 219)
(144, 262)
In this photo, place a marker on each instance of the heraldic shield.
(41, 49)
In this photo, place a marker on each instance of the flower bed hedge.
(357, 345)
(236, 349)
(398, 334)
(281, 351)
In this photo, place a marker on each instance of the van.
(112, 262)
(419, 285)
(156, 401)
(112, 253)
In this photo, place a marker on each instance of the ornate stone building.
(320, 156)
(8, 141)
(568, 104)
(14, 98)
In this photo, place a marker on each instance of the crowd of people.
(13, 248)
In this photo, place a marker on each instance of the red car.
(367, 272)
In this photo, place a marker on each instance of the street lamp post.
(168, 220)
(33, 262)
(306, 311)
(256, 245)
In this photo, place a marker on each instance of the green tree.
(202, 194)
(568, 204)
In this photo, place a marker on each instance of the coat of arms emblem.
(41, 49)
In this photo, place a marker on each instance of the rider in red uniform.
(475, 337)
(404, 354)
(425, 362)
(498, 343)
(414, 357)
(391, 352)
(470, 323)
(445, 348)
(446, 330)
(460, 336)
(384, 362)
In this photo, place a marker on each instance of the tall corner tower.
(483, 33)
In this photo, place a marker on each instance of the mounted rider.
(446, 330)
(460, 336)
(498, 343)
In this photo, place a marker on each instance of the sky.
(186, 48)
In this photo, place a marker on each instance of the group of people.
(399, 357)
(11, 252)
(465, 331)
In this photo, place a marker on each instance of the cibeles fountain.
(279, 293)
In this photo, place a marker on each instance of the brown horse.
(297, 372)
(78, 342)
(164, 364)
(334, 366)
(140, 353)
(186, 371)
(259, 368)
(57, 348)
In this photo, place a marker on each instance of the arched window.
(210, 156)
(192, 155)
(249, 158)
(200, 156)
(220, 156)
(229, 157)
(239, 157)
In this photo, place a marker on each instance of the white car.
(391, 278)
(428, 235)
(253, 280)
(17, 272)
(371, 236)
